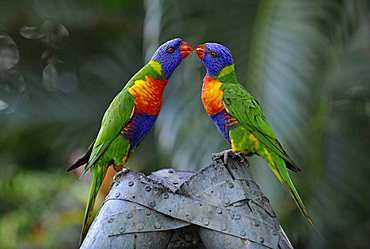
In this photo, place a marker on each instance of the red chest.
(212, 96)
(148, 94)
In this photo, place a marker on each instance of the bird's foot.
(241, 156)
(120, 173)
(224, 155)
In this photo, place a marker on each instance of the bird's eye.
(170, 50)
(213, 54)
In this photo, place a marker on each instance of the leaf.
(50, 77)
(56, 34)
(9, 55)
(32, 33)
(3, 105)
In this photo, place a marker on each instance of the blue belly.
(137, 128)
(222, 122)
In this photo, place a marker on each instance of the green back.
(245, 108)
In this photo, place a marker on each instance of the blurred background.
(62, 62)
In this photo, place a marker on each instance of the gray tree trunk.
(219, 206)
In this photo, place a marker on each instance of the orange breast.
(148, 94)
(212, 96)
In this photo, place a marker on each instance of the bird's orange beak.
(200, 50)
(185, 49)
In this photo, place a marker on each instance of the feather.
(83, 160)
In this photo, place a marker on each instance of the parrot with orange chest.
(129, 118)
(239, 117)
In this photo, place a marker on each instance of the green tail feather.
(278, 166)
(297, 199)
(98, 177)
(293, 192)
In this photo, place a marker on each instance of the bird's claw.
(224, 155)
(120, 173)
(240, 155)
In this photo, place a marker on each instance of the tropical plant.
(307, 62)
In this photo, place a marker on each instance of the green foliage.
(41, 209)
(307, 63)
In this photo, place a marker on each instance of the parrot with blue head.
(129, 118)
(239, 117)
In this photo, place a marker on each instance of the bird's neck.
(156, 70)
(163, 67)
(227, 74)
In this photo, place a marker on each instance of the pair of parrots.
(132, 113)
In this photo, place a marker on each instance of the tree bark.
(219, 206)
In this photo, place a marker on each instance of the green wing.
(118, 114)
(245, 108)
(115, 118)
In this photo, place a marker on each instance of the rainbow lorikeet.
(239, 117)
(129, 118)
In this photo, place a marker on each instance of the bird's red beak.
(200, 50)
(185, 49)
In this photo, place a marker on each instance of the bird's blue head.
(170, 55)
(215, 57)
